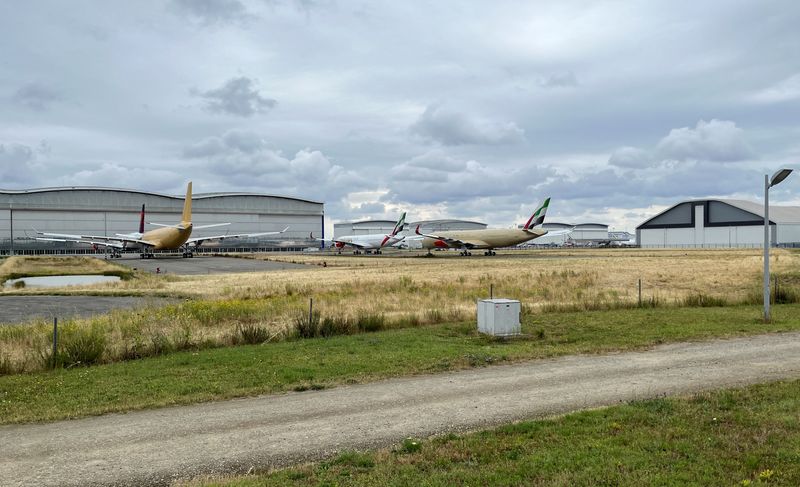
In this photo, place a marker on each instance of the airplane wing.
(454, 242)
(103, 240)
(181, 227)
(115, 245)
(199, 240)
(559, 232)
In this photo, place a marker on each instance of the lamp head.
(779, 176)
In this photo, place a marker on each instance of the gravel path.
(154, 447)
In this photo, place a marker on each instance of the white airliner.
(371, 242)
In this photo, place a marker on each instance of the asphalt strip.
(156, 447)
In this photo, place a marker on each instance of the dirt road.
(155, 447)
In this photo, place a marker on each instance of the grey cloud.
(35, 96)
(558, 80)
(717, 140)
(236, 97)
(454, 128)
(212, 12)
(18, 165)
(433, 166)
(241, 158)
(783, 91)
(111, 174)
(243, 141)
(630, 157)
(419, 185)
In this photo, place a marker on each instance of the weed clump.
(251, 334)
(307, 325)
(370, 322)
(701, 300)
(76, 346)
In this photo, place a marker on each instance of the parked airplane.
(373, 241)
(169, 237)
(488, 239)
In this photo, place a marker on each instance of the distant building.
(583, 234)
(107, 211)
(712, 223)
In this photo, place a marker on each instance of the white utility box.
(499, 317)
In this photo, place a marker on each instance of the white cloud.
(717, 140)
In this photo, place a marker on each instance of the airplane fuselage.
(484, 239)
(370, 241)
(168, 238)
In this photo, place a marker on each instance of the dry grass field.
(394, 291)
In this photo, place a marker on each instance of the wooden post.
(491, 291)
(55, 341)
(640, 292)
(310, 310)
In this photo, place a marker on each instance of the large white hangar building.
(715, 223)
(107, 211)
(365, 227)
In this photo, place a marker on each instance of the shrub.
(410, 445)
(785, 295)
(335, 326)
(6, 367)
(307, 324)
(78, 346)
(251, 334)
(369, 322)
(19, 284)
(703, 301)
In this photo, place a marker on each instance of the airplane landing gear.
(188, 255)
(490, 252)
(465, 253)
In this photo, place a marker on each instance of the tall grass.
(248, 309)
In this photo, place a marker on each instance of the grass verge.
(188, 377)
(748, 436)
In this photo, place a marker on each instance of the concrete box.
(499, 317)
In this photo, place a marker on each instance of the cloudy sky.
(445, 109)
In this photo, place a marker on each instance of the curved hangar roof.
(722, 212)
(92, 197)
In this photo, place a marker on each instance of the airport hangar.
(720, 223)
(107, 211)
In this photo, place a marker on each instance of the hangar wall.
(107, 211)
(719, 223)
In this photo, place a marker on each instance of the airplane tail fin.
(141, 220)
(538, 216)
(398, 227)
(187, 205)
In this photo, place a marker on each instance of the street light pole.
(766, 248)
(779, 176)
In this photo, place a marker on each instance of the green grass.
(189, 377)
(747, 436)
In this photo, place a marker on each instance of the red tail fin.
(141, 220)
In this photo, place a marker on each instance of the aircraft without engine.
(167, 237)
